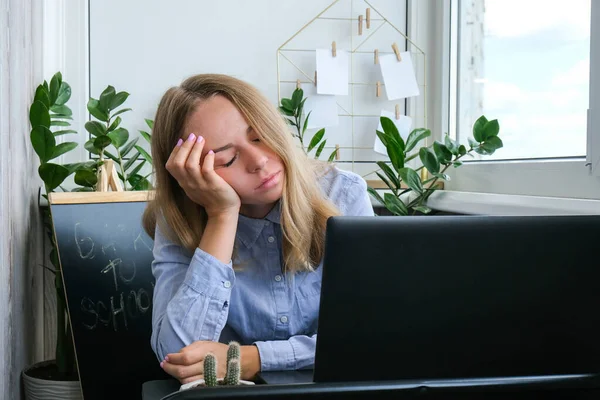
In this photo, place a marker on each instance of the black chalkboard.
(106, 259)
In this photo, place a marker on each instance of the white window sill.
(503, 204)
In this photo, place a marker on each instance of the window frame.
(570, 185)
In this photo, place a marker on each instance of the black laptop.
(447, 298)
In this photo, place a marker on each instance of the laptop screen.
(445, 297)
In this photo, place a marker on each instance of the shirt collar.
(249, 229)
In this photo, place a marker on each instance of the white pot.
(200, 382)
(45, 389)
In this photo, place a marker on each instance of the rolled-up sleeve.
(297, 352)
(191, 296)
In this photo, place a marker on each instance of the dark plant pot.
(41, 382)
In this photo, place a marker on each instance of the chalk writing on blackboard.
(85, 245)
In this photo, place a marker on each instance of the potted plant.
(49, 116)
(409, 188)
(292, 108)
(232, 376)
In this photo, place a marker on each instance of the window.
(526, 63)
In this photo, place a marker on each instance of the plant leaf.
(61, 110)
(52, 175)
(94, 108)
(320, 148)
(423, 209)
(289, 113)
(132, 160)
(43, 142)
(64, 94)
(442, 153)
(316, 139)
(451, 144)
(138, 182)
(127, 148)
(59, 123)
(62, 149)
(492, 144)
(89, 146)
(442, 176)
(144, 154)
(429, 160)
(150, 123)
(390, 129)
(86, 178)
(395, 153)
(479, 128)
(385, 180)
(121, 111)
(64, 132)
(114, 124)
(376, 195)
(332, 155)
(101, 142)
(389, 173)
(106, 97)
(287, 105)
(305, 122)
(95, 128)
(297, 98)
(118, 137)
(491, 129)
(472, 143)
(55, 83)
(39, 115)
(146, 136)
(41, 95)
(394, 204)
(415, 137)
(117, 100)
(137, 168)
(411, 179)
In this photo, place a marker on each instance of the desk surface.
(156, 390)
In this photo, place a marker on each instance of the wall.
(21, 310)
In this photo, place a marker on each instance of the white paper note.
(323, 111)
(398, 76)
(403, 124)
(332, 72)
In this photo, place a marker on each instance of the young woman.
(238, 222)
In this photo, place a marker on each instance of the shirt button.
(283, 319)
(278, 278)
(271, 239)
(227, 284)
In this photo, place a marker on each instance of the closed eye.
(231, 162)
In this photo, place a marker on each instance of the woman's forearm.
(219, 236)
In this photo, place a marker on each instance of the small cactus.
(210, 370)
(233, 372)
(233, 351)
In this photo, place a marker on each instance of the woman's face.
(254, 171)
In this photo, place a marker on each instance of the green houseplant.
(292, 108)
(409, 192)
(50, 117)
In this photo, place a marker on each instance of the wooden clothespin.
(315, 77)
(360, 20)
(337, 152)
(109, 178)
(397, 111)
(395, 48)
(333, 49)
(376, 56)
(368, 12)
(298, 85)
(378, 92)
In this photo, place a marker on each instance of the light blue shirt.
(197, 297)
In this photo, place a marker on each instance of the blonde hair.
(304, 208)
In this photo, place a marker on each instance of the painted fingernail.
(161, 364)
(166, 358)
(200, 138)
(192, 137)
(211, 152)
(179, 142)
